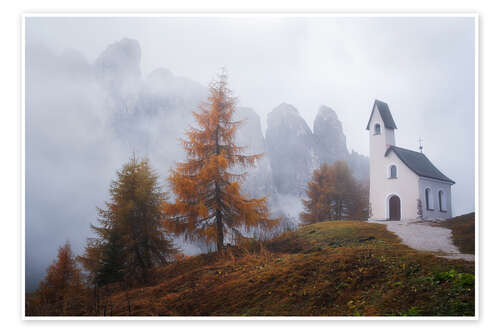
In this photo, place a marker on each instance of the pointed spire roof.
(385, 113)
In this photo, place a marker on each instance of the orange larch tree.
(208, 199)
(62, 290)
(333, 194)
(320, 193)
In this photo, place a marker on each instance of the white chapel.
(404, 184)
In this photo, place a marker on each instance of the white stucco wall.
(405, 186)
(435, 186)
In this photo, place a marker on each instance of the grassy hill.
(463, 232)
(342, 268)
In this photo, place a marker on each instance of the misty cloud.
(98, 89)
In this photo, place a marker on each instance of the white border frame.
(254, 13)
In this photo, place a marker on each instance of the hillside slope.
(463, 231)
(344, 268)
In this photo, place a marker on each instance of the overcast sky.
(422, 67)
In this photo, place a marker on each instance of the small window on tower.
(394, 172)
(377, 129)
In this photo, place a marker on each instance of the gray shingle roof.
(418, 163)
(385, 113)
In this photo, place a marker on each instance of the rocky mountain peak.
(326, 113)
(286, 117)
(285, 108)
(295, 151)
(120, 58)
(161, 84)
(290, 145)
(118, 70)
(329, 136)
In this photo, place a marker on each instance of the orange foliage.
(320, 194)
(209, 201)
(333, 194)
(62, 290)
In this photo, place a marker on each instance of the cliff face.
(295, 151)
(329, 136)
(117, 69)
(290, 146)
(259, 180)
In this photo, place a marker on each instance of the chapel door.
(394, 208)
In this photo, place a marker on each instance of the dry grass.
(326, 269)
(463, 232)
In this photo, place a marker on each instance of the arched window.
(428, 199)
(393, 172)
(442, 201)
(377, 129)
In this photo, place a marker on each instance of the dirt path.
(426, 237)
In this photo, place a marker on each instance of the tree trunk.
(144, 269)
(218, 213)
(96, 300)
(339, 209)
(105, 305)
(220, 232)
(128, 303)
(128, 298)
